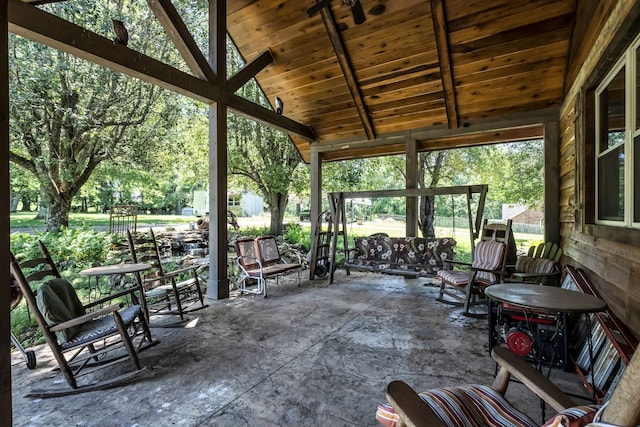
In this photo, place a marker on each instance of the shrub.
(72, 250)
(295, 234)
(252, 231)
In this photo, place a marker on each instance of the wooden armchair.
(165, 292)
(475, 405)
(540, 265)
(490, 257)
(82, 338)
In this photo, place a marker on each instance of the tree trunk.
(427, 211)
(43, 206)
(13, 202)
(26, 203)
(277, 206)
(58, 214)
(427, 203)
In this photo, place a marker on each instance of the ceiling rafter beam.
(35, 24)
(478, 139)
(529, 119)
(444, 57)
(347, 70)
(249, 71)
(179, 34)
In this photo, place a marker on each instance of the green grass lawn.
(28, 219)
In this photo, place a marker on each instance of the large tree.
(265, 156)
(268, 159)
(513, 172)
(429, 174)
(67, 115)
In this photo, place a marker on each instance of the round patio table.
(545, 298)
(113, 269)
(552, 300)
(107, 270)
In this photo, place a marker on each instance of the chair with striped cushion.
(467, 405)
(479, 405)
(540, 265)
(466, 286)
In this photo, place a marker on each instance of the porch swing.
(338, 227)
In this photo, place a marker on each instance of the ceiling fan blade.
(316, 7)
(358, 14)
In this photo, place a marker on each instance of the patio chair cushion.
(102, 327)
(464, 406)
(577, 416)
(415, 255)
(527, 264)
(488, 255)
(454, 277)
(58, 302)
(386, 415)
(460, 405)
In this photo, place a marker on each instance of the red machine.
(538, 337)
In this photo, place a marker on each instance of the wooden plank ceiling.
(443, 73)
(424, 69)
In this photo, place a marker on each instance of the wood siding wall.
(610, 256)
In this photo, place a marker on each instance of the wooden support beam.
(551, 180)
(417, 192)
(444, 56)
(6, 412)
(179, 34)
(42, 27)
(517, 127)
(253, 111)
(218, 282)
(249, 71)
(411, 178)
(347, 70)
(316, 200)
(393, 146)
(468, 190)
(515, 134)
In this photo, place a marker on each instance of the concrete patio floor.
(312, 355)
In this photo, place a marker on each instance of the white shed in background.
(251, 204)
(241, 204)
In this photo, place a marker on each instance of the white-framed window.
(617, 111)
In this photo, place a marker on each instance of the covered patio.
(315, 355)
(416, 76)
